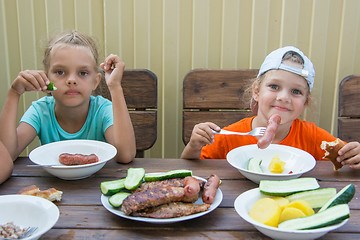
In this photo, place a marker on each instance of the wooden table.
(82, 215)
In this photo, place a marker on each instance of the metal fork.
(259, 131)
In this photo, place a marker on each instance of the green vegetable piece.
(51, 87)
(284, 188)
(134, 178)
(343, 196)
(117, 199)
(254, 165)
(325, 218)
(111, 187)
(181, 173)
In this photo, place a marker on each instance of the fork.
(259, 131)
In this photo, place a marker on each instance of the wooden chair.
(349, 109)
(140, 90)
(214, 95)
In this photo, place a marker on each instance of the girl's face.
(281, 92)
(73, 71)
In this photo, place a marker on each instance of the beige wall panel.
(170, 90)
(245, 29)
(172, 37)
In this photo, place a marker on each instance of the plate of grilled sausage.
(169, 201)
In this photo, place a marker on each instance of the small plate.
(297, 161)
(244, 203)
(214, 205)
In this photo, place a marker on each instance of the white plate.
(48, 154)
(296, 160)
(214, 205)
(244, 203)
(29, 211)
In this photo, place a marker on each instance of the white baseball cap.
(275, 58)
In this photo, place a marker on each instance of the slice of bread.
(331, 151)
(50, 194)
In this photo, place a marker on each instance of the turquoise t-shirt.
(41, 116)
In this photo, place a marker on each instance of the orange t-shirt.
(303, 135)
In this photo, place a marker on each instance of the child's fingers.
(33, 80)
(112, 61)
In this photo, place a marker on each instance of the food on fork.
(77, 159)
(172, 210)
(268, 137)
(331, 151)
(50, 194)
(210, 189)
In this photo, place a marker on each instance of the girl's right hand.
(30, 80)
(202, 134)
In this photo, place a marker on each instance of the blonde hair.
(73, 38)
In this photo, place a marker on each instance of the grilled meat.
(151, 198)
(172, 210)
(175, 182)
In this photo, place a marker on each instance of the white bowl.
(244, 203)
(296, 161)
(28, 211)
(48, 154)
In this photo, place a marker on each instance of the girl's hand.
(114, 69)
(202, 135)
(350, 155)
(30, 80)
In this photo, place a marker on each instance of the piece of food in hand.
(50, 194)
(172, 210)
(51, 87)
(210, 189)
(276, 165)
(77, 159)
(270, 132)
(331, 151)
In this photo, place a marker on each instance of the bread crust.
(50, 194)
(331, 151)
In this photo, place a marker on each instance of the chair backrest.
(215, 95)
(349, 109)
(140, 90)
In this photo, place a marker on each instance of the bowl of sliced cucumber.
(276, 162)
(273, 208)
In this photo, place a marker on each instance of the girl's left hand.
(114, 69)
(350, 155)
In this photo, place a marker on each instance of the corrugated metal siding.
(171, 37)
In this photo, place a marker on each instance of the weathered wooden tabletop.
(82, 216)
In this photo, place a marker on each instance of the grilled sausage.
(77, 159)
(192, 189)
(268, 137)
(210, 188)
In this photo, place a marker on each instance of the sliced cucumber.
(325, 218)
(112, 187)
(282, 188)
(117, 199)
(343, 196)
(51, 87)
(317, 198)
(254, 165)
(181, 173)
(134, 178)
